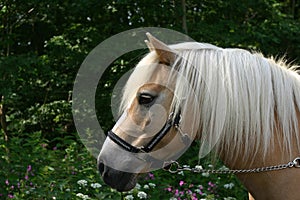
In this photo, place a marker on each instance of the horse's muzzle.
(121, 181)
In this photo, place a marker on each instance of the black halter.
(154, 141)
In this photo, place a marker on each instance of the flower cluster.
(82, 183)
(96, 185)
(82, 196)
(191, 191)
(229, 185)
(139, 191)
(84, 187)
(22, 184)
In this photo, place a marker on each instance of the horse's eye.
(145, 99)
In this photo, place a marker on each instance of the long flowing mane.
(244, 98)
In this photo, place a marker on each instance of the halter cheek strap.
(154, 141)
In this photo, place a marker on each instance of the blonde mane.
(243, 97)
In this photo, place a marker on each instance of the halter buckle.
(172, 167)
(296, 162)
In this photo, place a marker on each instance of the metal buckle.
(171, 166)
(297, 162)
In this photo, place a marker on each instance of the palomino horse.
(244, 107)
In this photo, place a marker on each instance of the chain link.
(175, 167)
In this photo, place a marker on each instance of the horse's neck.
(276, 185)
(280, 184)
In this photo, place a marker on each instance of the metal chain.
(175, 167)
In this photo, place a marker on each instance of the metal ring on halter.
(296, 162)
(177, 118)
(172, 167)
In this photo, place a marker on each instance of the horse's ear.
(165, 53)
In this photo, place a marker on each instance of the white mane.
(243, 97)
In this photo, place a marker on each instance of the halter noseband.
(154, 141)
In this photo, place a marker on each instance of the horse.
(240, 105)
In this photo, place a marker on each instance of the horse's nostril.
(101, 168)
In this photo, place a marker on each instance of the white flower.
(85, 197)
(198, 167)
(172, 198)
(129, 197)
(82, 196)
(138, 186)
(96, 185)
(82, 183)
(146, 187)
(205, 174)
(152, 185)
(223, 168)
(142, 195)
(229, 186)
(197, 190)
(68, 190)
(229, 198)
(181, 173)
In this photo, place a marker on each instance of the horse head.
(149, 132)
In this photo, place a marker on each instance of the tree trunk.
(3, 118)
(184, 25)
(293, 2)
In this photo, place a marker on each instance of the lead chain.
(175, 167)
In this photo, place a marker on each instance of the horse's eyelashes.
(145, 99)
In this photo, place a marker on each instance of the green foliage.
(50, 115)
(258, 25)
(31, 169)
